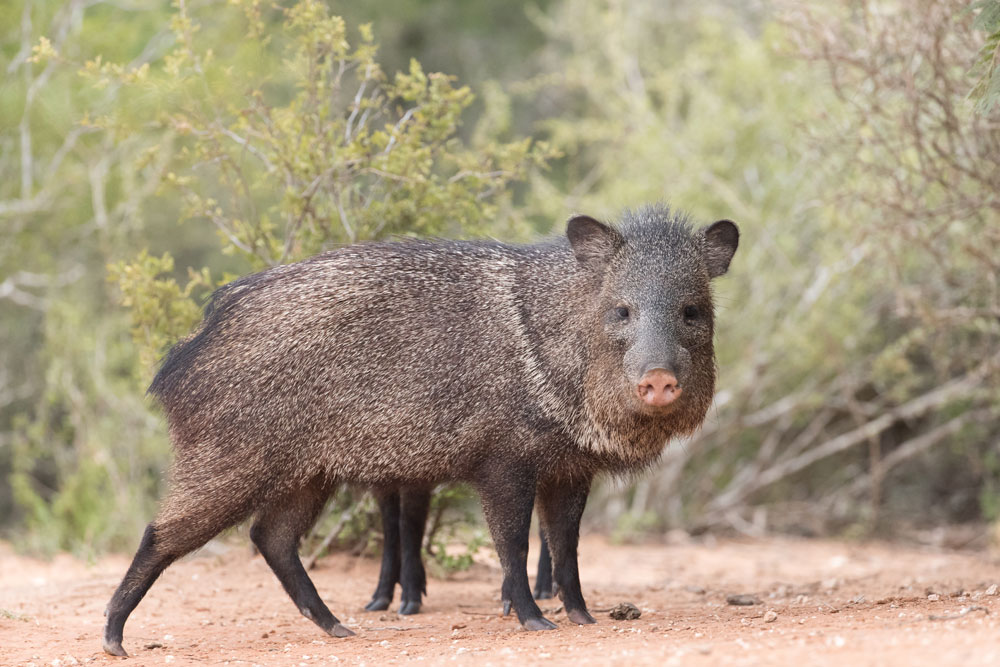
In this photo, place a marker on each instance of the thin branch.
(23, 207)
(11, 287)
(397, 128)
(914, 408)
(310, 562)
(249, 148)
(24, 127)
(9, 290)
(357, 104)
(343, 219)
(915, 446)
(98, 174)
(221, 224)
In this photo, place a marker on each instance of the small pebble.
(933, 597)
(625, 611)
(992, 590)
(771, 616)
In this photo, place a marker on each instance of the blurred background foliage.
(150, 151)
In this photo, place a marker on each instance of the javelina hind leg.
(388, 505)
(276, 532)
(187, 520)
(150, 560)
(508, 495)
(415, 503)
(561, 506)
(544, 587)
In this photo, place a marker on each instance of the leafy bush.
(856, 146)
(283, 144)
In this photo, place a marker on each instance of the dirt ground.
(820, 602)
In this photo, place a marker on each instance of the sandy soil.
(832, 603)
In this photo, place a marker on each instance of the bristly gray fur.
(390, 365)
(385, 363)
(416, 361)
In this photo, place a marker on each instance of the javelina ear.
(593, 242)
(721, 240)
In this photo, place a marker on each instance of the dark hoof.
(378, 604)
(339, 630)
(409, 608)
(580, 617)
(114, 648)
(539, 623)
(544, 594)
(506, 607)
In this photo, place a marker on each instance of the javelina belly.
(516, 368)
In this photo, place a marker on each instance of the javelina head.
(650, 350)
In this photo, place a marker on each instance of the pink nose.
(658, 388)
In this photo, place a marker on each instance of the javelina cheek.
(619, 338)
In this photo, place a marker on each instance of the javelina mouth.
(654, 410)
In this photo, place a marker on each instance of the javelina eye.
(622, 312)
(691, 313)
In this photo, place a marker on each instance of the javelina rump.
(393, 365)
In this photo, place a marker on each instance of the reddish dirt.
(836, 603)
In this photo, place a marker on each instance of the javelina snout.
(515, 368)
(658, 388)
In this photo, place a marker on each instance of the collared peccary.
(404, 517)
(515, 368)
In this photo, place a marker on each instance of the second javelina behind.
(388, 365)
(404, 518)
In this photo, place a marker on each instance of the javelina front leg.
(276, 533)
(544, 587)
(508, 495)
(561, 506)
(388, 504)
(414, 505)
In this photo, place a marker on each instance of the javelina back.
(401, 364)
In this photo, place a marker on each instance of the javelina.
(404, 517)
(402, 364)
